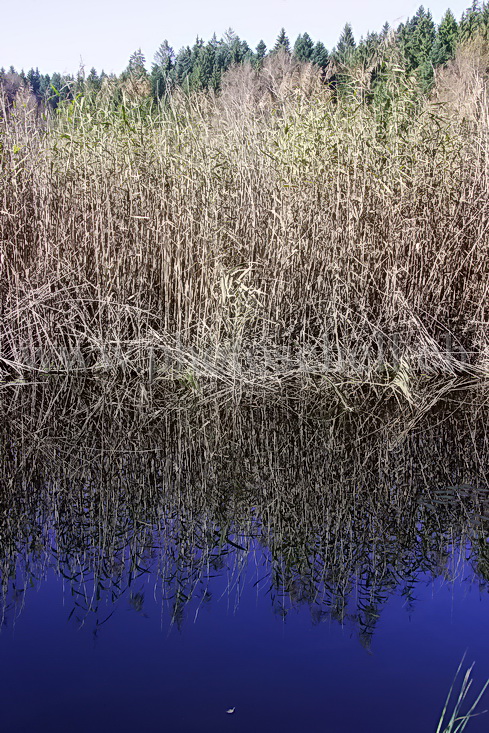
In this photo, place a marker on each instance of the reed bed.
(247, 242)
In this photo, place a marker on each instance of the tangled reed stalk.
(335, 515)
(248, 243)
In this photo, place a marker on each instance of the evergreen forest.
(422, 45)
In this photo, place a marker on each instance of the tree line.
(423, 46)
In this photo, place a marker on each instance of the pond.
(308, 571)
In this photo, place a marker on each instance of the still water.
(313, 572)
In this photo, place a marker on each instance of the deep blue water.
(323, 573)
(139, 671)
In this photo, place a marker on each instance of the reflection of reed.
(337, 513)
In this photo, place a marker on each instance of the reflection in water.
(336, 512)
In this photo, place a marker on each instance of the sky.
(62, 35)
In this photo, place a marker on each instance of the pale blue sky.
(59, 35)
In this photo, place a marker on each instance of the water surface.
(316, 572)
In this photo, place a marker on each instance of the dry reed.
(241, 243)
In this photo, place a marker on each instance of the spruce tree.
(163, 71)
(484, 21)
(446, 40)
(222, 60)
(206, 63)
(261, 50)
(45, 88)
(385, 31)
(164, 57)
(282, 43)
(470, 22)
(136, 66)
(417, 41)
(320, 55)
(238, 50)
(55, 90)
(183, 65)
(260, 53)
(34, 80)
(346, 45)
(93, 83)
(197, 50)
(368, 48)
(303, 47)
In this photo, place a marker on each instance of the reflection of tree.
(335, 514)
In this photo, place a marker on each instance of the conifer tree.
(197, 50)
(223, 58)
(385, 31)
(446, 39)
(261, 50)
(163, 71)
(55, 91)
(303, 47)
(165, 56)
(346, 45)
(260, 53)
(93, 83)
(237, 49)
(34, 81)
(194, 76)
(136, 67)
(470, 22)
(320, 55)
(367, 48)
(282, 43)
(484, 21)
(417, 40)
(45, 88)
(206, 64)
(183, 65)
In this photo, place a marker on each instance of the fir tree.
(163, 71)
(259, 55)
(260, 51)
(282, 43)
(183, 65)
(222, 60)
(196, 51)
(238, 49)
(93, 82)
(385, 31)
(446, 39)
(417, 40)
(484, 22)
(55, 90)
(368, 48)
(34, 81)
(164, 58)
(320, 55)
(136, 67)
(346, 45)
(303, 47)
(229, 37)
(470, 22)
(206, 63)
